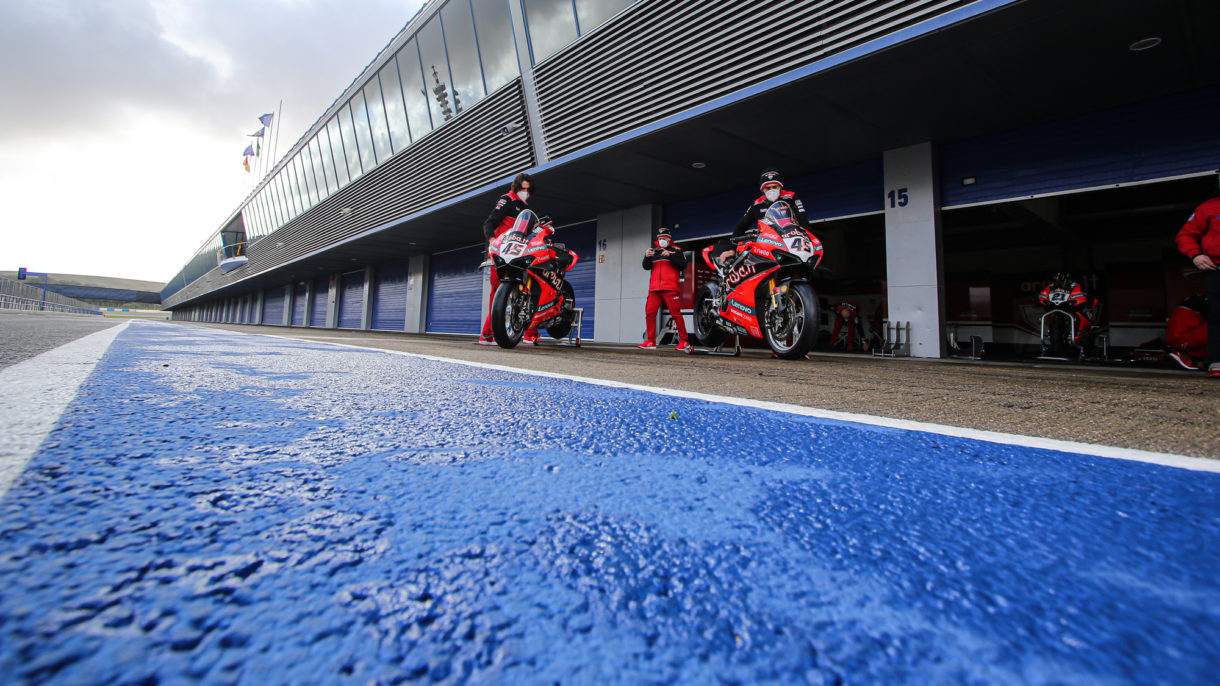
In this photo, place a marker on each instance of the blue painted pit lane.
(225, 508)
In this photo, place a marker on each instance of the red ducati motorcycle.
(765, 291)
(532, 288)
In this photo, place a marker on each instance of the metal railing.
(20, 296)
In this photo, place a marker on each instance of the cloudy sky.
(122, 122)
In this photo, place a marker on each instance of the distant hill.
(102, 291)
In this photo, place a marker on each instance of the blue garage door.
(299, 303)
(1150, 140)
(321, 297)
(455, 291)
(843, 192)
(252, 308)
(582, 239)
(351, 300)
(390, 297)
(273, 305)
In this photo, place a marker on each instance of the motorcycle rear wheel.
(709, 334)
(510, 315)
(566, 314)
(793, 334)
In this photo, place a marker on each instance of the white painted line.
(35, 392)
(1167, 459)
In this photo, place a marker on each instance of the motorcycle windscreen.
(513, 242)
(779, 216)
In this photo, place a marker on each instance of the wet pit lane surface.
(224, 508)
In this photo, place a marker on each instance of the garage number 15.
(898, 198)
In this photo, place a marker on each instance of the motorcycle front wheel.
(1058, 344)
(792, 330)
(510, 315)
(709, 334)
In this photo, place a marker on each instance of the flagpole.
(276, 122)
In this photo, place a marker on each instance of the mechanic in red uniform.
(772, 187)
(848, 312)
(666, 261)
(1199, 241)
(1186, 332)
(500, 220)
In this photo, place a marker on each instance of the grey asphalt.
(26, 334)
(1142, 408)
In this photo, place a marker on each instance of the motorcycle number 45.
(512, 249)
(797, 241)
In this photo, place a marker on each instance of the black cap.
(770, 176)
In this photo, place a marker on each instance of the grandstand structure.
(953, 155)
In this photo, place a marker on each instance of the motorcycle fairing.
(741, 305)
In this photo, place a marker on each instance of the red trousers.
(653, 306)
(531, 332)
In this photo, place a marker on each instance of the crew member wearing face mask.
(772, 187)
(500, 220)
(665, 261)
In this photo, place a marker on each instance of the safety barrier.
(12, 302)
(20, 296)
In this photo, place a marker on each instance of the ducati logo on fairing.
(554, 278)
(737, 275)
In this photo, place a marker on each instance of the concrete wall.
(622, 285)
(913, 251)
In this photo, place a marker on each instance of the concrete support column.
(258, 308)
(622, 285)
(286, 320)
(485, 299)
(366, 312)
(332, 302)
(527, 83)
(309, 296)
(417, 294)
(914, 277)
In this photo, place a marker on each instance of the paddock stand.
(718, 350)
(572, 339)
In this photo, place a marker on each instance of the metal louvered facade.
(467, 153)
(661, 58)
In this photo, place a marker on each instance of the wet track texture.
(239, 509)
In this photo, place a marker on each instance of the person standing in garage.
(664, 261)
(1199, 241)
(501, 219)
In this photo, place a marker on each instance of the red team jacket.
(1200, 235)
(665, 270)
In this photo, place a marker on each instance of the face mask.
(524, 195)
(772, 195)
(664, 243)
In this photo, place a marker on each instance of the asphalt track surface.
(224, 508)
(26, 334)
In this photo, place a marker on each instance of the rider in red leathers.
(500, 220)
(772, 186)
(1080, 304)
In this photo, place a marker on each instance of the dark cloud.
(83, 64)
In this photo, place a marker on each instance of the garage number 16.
(898, 198)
